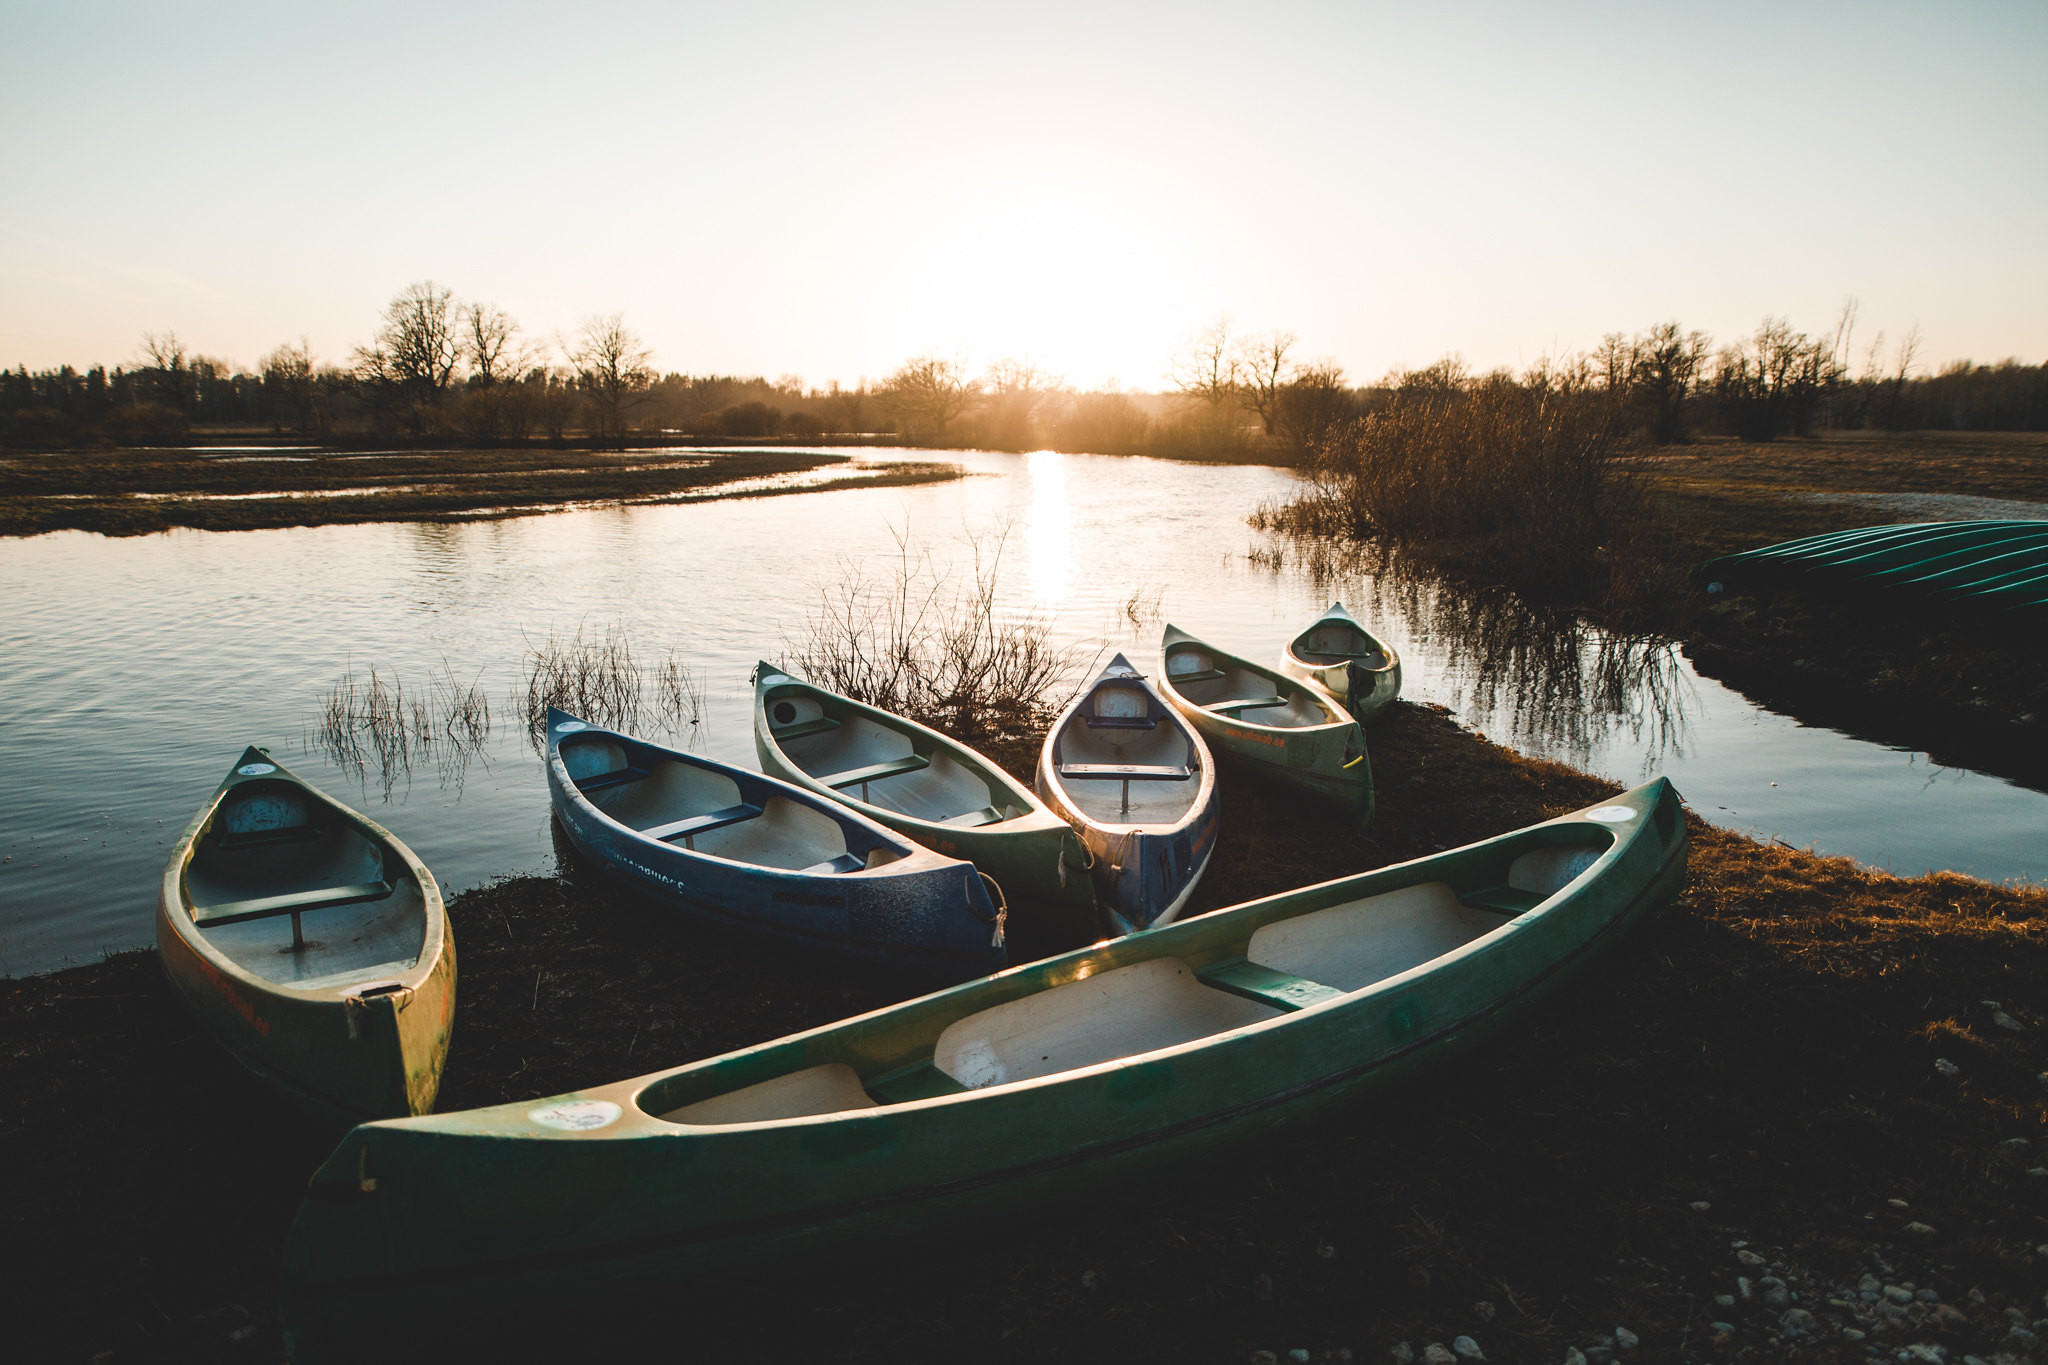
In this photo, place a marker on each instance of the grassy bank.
(131, 492)
(1798, 1064)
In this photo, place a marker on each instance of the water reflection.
(1555, 683)
(373, 721)
(1047, 528)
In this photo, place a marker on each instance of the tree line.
(440, 370)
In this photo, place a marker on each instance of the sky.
(825, 190)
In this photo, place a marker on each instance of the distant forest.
(444, 371)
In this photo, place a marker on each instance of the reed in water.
(599, 679)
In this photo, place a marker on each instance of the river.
(133, 671)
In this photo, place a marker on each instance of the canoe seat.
(1503, 899)
(1231, 708)
(987, 815)
(1199, 675)
(1241, 976)
(617, 777)
(701, 824)
(1121, 722)
(875, 772)
(921, 1082)
(264, 907)
(817, 725)
(845, 862)
(1133, 772)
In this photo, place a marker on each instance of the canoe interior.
(1220, 683)
(272, 847)
(1304, 951)
(1121, 724)
(854, 754)
(1337, 642)
(704, 811)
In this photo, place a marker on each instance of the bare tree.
(1311, 405)
(614, 371)
(1262, 362)
(1018, 394)
(1207, 368)
(288, 374)
(165, 354)
(489, 341)
(1664, 366)
(408, 366)
(927, 393)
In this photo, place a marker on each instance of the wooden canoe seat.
(875, 772)
(264, 907)
(617, 777)
(1231, 708)
(1130, 772)
(921, 1082)
(816, 726)
(987, 815)
(701, 824)
(1503, 899)
(1240, 976)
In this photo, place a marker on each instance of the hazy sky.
(825, 189)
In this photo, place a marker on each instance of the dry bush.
(925, 645)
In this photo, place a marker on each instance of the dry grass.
(374, 720)
(598, 679)
(929, 643)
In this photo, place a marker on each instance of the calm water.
(133, 671)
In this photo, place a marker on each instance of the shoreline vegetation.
(1801, 1104)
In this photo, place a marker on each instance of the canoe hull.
(339, 1052)
(1365, 691)
(484, 1209)
(1037, 860)
(924, 914)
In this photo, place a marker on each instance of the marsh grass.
(598, 679)
(930, 644)
(374, 720)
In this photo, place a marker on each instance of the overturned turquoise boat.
(1999, 566)
(1022, 1093)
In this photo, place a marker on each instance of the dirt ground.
(1812, 1091)
(131, 492)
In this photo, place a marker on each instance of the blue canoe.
(1136, 782)
(735, 848)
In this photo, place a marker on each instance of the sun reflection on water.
(1046, 526)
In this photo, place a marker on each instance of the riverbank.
(1793, 1078)
(132, 492)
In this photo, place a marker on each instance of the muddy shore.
(1812, 1090)
(133, 492)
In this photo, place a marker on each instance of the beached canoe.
(1046, 1087)
(752, 853)
(1346, 660)
(1282, 729)
(1988, 566)
(1137, 783)
(311, 944)
(929, 787)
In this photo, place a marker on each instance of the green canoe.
(1024, 1091)
(1283, 729)
(930, 788)
(1346, 660)
(311, 944)
(1994, 565)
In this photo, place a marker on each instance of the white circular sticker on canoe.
(577, 1116)
(256, 769)
(1612, 815)
(569, 727)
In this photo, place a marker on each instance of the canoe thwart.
(875, 772)
(1135, 772)
(1241, 976)
(1198, 675)
(1502, 899)
(921, 1082)
(702, 824)
(264, 907)
(1245, 704)
(817, 725)
(973, 819)
(617, 777)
